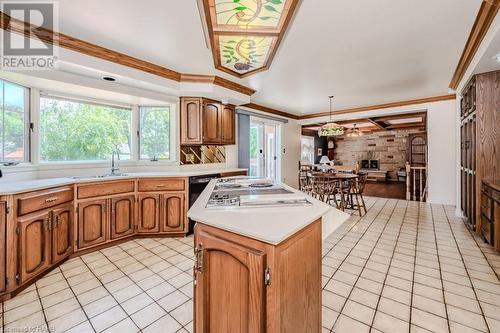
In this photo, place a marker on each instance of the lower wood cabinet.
(122, 216)
(149, 213)
(173, 212)
(92, 223)
(244, 285)
(44, 238)
(3, 248)
(62, 232)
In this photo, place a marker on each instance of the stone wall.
(389, 147)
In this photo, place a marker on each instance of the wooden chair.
(324, 188)
(357, 187)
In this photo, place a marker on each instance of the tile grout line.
(41, 305)
(414, 267)
(371, 252)
(76, 297)
(440, 271)
(466, 270)
(388, 268)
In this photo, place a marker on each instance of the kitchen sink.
(108, 175)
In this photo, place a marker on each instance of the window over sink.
(154, 133)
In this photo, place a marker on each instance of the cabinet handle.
(46, 224)
(51, 199)
(198, 251)
(160, 185)
(56, 222)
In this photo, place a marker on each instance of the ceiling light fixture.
(109, 78)
(355, 131)
(498, 57)
(331, 128)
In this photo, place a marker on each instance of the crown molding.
(484, 18)
(381, 106)
(270, 110)
(84, 47)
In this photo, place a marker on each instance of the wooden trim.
(382, 106)
(484, 18)
(93, 50)
(272, 111)
(214, 31)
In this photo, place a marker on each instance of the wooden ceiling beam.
(378, 124)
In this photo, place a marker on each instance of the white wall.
(442, 143)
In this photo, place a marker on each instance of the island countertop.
(271, 225)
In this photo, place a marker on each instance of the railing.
(416, 183)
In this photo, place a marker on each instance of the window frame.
(27, 128)
(170, 134)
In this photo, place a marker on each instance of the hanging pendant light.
(355, 131)
(330, 128)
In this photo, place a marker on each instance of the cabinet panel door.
(92, 223)
(211, 123)
(62, 232)
(122, 216)
(173, 212)
(3, 239)
(228, 124)
(33, 245)
(229, 291)
(149, 213)
(191, 119)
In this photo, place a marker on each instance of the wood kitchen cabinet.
(122, 216)
(205, 121)
(62, 232)
(92, 223)
(173, 212)
(3, 248)
(245, 285)
(33, 245)
(149, 213)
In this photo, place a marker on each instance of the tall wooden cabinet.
(479, 141)
(207, 122)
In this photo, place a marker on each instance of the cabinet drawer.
(162, 184)
(105, 188)
(32, 202)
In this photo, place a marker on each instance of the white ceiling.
(364, 52)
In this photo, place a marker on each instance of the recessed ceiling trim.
(255, 35)
(81, 46)
(484, 18)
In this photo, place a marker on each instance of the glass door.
(264, 143)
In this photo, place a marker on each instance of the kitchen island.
(258, 258)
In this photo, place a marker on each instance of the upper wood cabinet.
(92, 223)
(122, 216)
(3, 239)
(33, 245)
(205, 121)
(62, 232)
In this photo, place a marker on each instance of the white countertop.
(267, 224)
(39, 184)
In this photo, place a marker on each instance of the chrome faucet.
(113, 167)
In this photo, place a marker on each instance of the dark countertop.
(493, 183)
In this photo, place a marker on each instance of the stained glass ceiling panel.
(242, 54)
(249, 14)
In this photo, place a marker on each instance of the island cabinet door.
(3, 239)
(149, 213)
(122, 216)
(62, 232)
(173, 215)
(92, 223)
(229, 286)
(33, 245)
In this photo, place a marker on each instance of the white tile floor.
(403, 267)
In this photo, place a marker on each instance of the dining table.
(345, 183)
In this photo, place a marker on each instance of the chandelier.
(330, 128)
(354, 131)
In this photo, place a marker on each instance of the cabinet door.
(191, 119)
(62, 232)
(229, 290)
(211, 123)
(228, 124)
(33, 245)
(173, 212)
(149, 213)
(92, 223)
(3, 239)
(122, 216)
